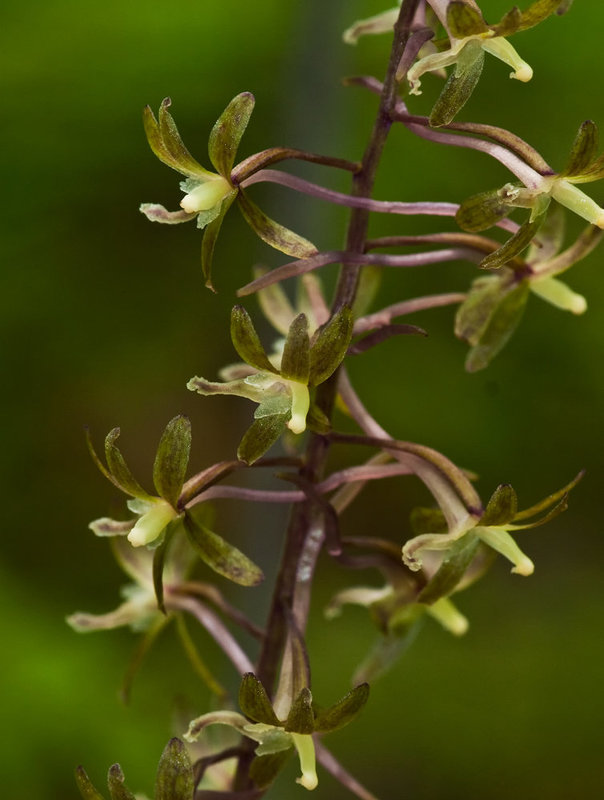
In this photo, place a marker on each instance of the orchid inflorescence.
(299, 379)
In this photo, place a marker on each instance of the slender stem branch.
(302, 515)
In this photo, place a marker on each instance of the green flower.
(155, 513)
(209, 195)
(494, 528)
(495, 303)
(280, 384)
(166, 516)
(139, 610)
(278, 738)
(470, 37)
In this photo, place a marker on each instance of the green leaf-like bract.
(583, 150)
(464, 19)
(295, 363)
(115, 781)
(301, 718)
(254, 701)
(263, 433)
(482, 211)
(460, 85)
(489, 316)
(119, 469)
(86, 788)
(515, 245)
(247, 342)
(272, 232)
(227, 132)
(174, 774)
(210, 237)
(172, 459)
(342, 712)
(218, 554)
(502, 506)
(329, 347)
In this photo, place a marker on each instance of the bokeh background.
(104, 318)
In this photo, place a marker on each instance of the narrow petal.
(227, 132)
(172, 459)
(300, 403)
(183, 161)
(577, 201)
(156, 213)
(271, 232)
(380, 23)
(501, 541)
(503, 50)
(445, 613)
(175, 778)
(559, 294)
(460, 85)
(111, 527)
(306, 752)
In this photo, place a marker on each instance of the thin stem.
(386, 315)
(216, 628)
(274, 155)
(333, 766)
(302, 515)
(303, 265)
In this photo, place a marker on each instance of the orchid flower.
(469, 38)
(278, 737)
(209, 195)
(280, 384)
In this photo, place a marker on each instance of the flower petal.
(559, 294)
(157, 213)
(175, 778)
(227, 132)
(247, 342)
(501, 541)
(260, 436)
(217, 553)
(172, 459)
(183, 161)
(254, 701)
(271, 232)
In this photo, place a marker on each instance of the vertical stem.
(302, 517)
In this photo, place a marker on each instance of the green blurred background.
(105, 318)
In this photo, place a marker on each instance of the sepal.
(115, 782)
(172, 459)
(247, 342)
(226, 134)
(164, 140)
(175, 778)
(329, 346)
(460, 84)
(255, 702)
(271, 232)
(218, 554)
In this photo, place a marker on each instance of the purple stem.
(365, 472)
(302, 265)
(333, 766)
(342, 199)
(217, 630)
(529, 177)
(385, 315)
